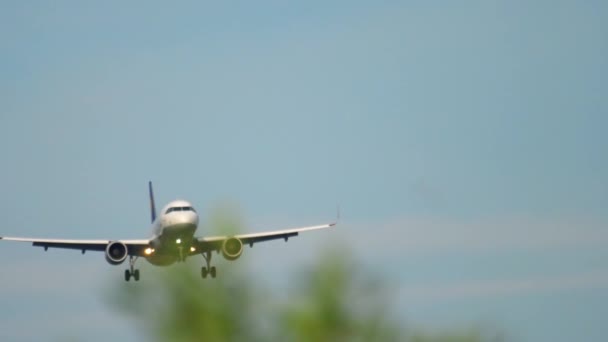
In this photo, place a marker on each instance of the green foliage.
(331, 303)
(177, 305)
(334, 301)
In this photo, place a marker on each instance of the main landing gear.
(131, 272)
(209, 269)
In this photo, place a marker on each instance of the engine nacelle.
(232, 248)
(116, 253)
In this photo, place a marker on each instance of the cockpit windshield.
(172, 209)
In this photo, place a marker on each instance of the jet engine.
(116, 253)
(232, 248)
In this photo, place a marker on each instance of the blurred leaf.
(337, 304)
(334, 300)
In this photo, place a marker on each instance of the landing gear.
(206, 271)
(131, 272)
(209, 269)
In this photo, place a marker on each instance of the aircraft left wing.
(135, 247)
(215, 242)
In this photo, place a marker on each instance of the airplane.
(172, 240)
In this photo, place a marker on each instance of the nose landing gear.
(182, 256)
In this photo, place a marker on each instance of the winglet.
(337, 216)
(152, 205)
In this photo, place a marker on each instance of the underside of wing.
(216, 242)
(135, 247)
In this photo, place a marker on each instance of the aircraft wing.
(215, 242)
(135, 247)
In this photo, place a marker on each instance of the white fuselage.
(173, 231)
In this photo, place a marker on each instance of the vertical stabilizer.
(152, 205)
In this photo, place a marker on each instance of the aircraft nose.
(195, 219)
(188, 218)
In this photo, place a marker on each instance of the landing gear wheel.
(205, 271)
(131, 272)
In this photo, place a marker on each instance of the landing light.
(148, 251)
(178, 241)
(192, 249)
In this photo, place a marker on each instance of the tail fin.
(152, 205)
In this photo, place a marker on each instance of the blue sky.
(464, 141)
